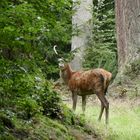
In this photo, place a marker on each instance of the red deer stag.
(83, 83)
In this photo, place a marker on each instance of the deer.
(83, 83)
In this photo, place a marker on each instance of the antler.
(54, 48)
(60, 60)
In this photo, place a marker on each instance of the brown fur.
(82, 83)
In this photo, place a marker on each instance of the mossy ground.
(41, 127)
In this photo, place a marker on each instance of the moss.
(47, 128)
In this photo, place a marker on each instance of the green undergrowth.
(39, 127)
(44, 128)
(30, 108)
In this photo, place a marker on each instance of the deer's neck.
(66, 74)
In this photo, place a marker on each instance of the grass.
(124, 121)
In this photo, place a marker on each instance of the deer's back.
(89, 82)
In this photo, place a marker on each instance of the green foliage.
(51, 103)
(19, 81)
(29, 30)
(68, 116)
(28, 108)
(102, 51)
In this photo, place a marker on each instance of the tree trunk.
(128, 39)
(82, 29)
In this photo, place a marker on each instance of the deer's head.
(65, 69)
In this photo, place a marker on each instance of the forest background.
(28, 65)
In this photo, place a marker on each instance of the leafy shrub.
(22, 86)
(51, 103)
(29, 29)
(19, 81)
(28, 107)
(25, 90)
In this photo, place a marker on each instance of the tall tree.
(82, 29)
(128, 38)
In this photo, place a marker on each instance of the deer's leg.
(107, 111)
(83, 103)
(74, 98)
(105, 104)
(102, 109)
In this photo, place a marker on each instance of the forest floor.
(124, 119)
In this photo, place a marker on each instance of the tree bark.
(82, 29)
(128, 37)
